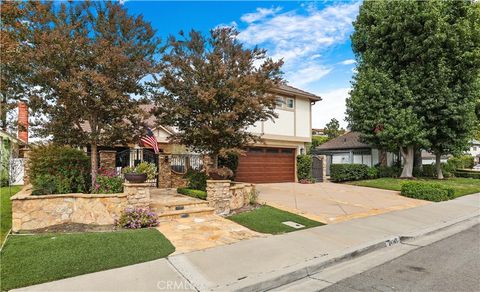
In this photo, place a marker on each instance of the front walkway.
(207, 231)
(200, 229)
(331, 202)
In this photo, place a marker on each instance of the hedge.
(304, 167)
(350, 172)
(427, 191)
(193, 193)
(467, 173)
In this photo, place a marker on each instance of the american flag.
(150, 140)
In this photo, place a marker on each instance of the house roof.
(349, 140)
(10, 137)
(290, 90)
(150, 121)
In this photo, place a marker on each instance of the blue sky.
(313, 38)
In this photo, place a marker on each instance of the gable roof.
(349, 140)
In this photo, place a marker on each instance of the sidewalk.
(264, 263)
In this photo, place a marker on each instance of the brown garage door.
(267, 165)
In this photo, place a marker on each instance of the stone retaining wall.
(30, 212)
(226, 196)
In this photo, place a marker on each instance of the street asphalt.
(451, 264)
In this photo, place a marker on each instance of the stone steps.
(186, 213)
(175, 206)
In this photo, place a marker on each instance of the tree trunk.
(93, 163)
(438, 165)
(383, 158)
(408, 155)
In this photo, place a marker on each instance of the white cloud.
(261, 13)
(298, 37)
(348, 62)
(332, 106)
(308, 73)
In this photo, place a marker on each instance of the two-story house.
(272, 159)
(282, 139)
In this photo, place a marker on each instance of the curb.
(293, 274)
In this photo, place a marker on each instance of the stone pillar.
(323, 159)
(164, 172)
(138, 195)
(26, 166)
(219, 196)
(107, 159)
(207, 163)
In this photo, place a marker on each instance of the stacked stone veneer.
(107, 159)
(226, 196)
(31, 212)
(167, 178)
(138, 194)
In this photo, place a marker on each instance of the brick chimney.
(22, 121)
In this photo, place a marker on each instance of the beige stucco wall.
(290, 125)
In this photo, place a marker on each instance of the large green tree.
(212, 89)
(88, 59)
(409, 91)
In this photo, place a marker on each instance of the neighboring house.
(349, 149)
(475, 151)
(429, 158)
(11, 166)
(318, 132)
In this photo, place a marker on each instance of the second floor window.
(285, 102)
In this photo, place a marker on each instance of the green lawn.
(267, 219)
(462, 186)
(6, 210)
(33, 259)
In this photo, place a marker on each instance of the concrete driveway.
(330, 202)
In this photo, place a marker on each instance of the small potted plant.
(140, 173)
(220, 173)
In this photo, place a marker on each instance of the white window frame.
(282, 102)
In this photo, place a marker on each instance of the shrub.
(4, 181)
(230, 161)
(108, 182)
(430, 170)
(427, 191)
(348, 172)
(460, 162)
(304, 167)
(47, 184)
(67, 168)
(388, 171)
(196, 179)
(467, 174)
(220, 173)
(134, 218)
(253, 197)
(193, 193)
(150, 169)
(372, 172)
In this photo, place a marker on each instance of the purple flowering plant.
(134, 218)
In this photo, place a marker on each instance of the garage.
(266, 165)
